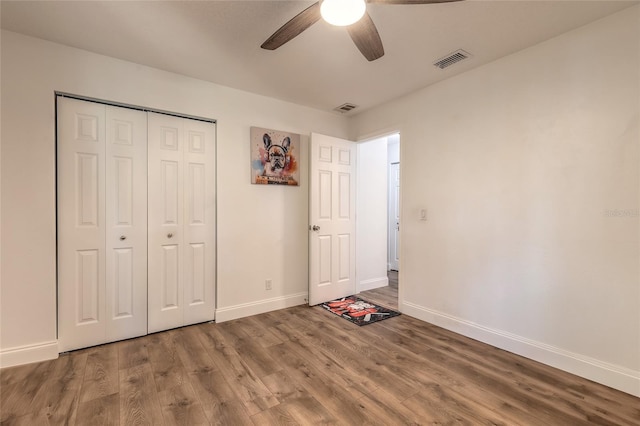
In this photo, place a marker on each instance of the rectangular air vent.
(452, 58)
(345, 107)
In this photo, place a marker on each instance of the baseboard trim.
(614, 376)
(28, 354)
(372, 284)
(254, 308)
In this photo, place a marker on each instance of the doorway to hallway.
(378, 220)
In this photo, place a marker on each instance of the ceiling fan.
(349, 13)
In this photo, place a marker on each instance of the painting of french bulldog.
(274, 157)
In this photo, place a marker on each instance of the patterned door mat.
(359, 311)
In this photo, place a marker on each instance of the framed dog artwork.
(275, 157)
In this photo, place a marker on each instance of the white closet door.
(81, 224)
(126, 219)
(165, 222)
(199, 226)
(101, 197)
(181, 222)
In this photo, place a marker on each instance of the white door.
(126, 220)
(394, 216)
(199, 221)
(101, 194)
(332, 219)
(181, 221)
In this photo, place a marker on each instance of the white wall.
(262, 231)
(371, 214)
(518, 163)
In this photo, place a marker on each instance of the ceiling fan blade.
(294, 27)
(365, 35)
(411, 1)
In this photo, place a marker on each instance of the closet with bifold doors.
(135, 222)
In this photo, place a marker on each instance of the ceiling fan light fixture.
(342, 13)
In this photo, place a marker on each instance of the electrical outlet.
(267, 284)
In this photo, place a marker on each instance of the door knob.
(315, 228)
(122, 237)
(169, 235)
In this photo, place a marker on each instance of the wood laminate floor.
(384, 296)
(304, 366)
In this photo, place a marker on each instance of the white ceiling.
(219, 41)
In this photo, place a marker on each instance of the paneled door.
(102, 223)
(332, 219)
(181, 221)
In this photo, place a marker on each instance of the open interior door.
(332, 222)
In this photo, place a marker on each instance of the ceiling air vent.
(345, 107)
(452, 58)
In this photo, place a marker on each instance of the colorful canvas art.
(274, 157)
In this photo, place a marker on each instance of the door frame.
(385, 133)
